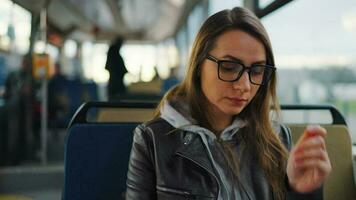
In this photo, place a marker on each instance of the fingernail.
(315, 129)
(312, 127)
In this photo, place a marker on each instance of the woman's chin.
(233, 110)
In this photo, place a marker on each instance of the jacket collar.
(192, 148)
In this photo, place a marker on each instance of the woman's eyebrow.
(233, 58)
(259, 62)
(230, 57)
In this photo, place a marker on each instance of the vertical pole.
(206, 9)
(44, 91)
(253, 5)
(187, 41)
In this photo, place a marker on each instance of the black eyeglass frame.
(244, 68)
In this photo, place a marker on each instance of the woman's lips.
(237, 101)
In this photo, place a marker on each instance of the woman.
(212, 136)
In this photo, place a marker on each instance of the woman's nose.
(243, 83)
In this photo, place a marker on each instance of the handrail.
(336, 115)
(81, 113)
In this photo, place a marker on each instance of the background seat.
(341, 183)
(97, 152)
(96, 161)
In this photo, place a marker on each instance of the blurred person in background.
(117, 70)
(19, 103)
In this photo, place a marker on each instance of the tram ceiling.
(143, 20)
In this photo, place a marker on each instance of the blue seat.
(96, 161)
(97, 154)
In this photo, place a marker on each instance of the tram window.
(314, 56)
(15, 27)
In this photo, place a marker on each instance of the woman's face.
(227, 99)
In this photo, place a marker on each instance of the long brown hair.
(258, 134)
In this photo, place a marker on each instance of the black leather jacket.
(166, 165)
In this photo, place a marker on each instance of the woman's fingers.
(322, 166)
(315, 153)
(308, 163)
(310, 143)
(311, 150)
(312, 131)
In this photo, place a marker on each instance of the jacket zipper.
(216, 179)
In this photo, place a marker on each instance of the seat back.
(97, 153)
(125, 114)
(340, 184)
(96, 161)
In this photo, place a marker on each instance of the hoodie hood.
(177, 113)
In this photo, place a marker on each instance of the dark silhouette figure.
(19, 103)
(58, 100)
(116, 67)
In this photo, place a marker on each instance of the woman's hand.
(308, 163)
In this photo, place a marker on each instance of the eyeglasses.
(231, 71)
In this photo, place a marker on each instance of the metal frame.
(254, 6)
